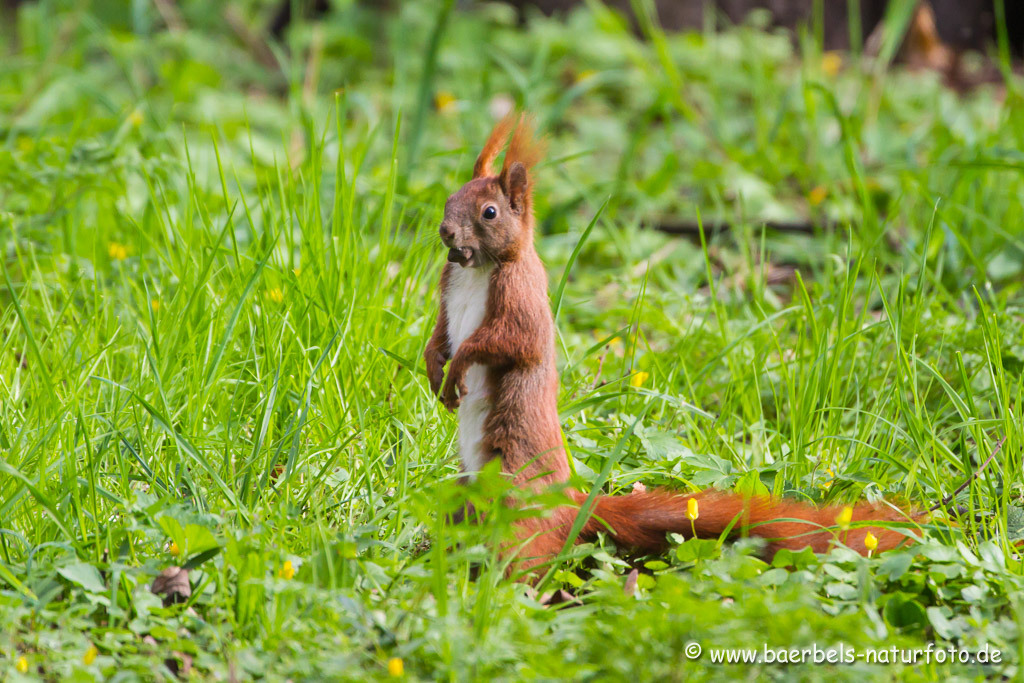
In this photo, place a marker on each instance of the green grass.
(219, 278)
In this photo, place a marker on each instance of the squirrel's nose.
(447, 234)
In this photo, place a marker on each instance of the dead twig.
(254, 42)
(169, 12)
(691, 228)
(316, 53)
(948, 499)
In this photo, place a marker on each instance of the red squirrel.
(496, 328)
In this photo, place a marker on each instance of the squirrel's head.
(490, 219)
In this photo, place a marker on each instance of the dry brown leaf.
(179, 663)
(560, 597)
(172, 585)
(631, 578)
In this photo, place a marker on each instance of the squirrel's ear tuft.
(515, 183)
(495, 143)
(524, 148)
(524, 151)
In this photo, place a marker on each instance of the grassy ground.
(219, 275)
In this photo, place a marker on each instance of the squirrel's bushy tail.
(640, 520)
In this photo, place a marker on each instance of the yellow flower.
(297, 271)
(638, 379)
(831, 478)
(444, 101)
(117, 251)
(135, 118)
(155, 305)
(870, 542)
(831, 63)
(21, 665)
(287, 570)
(691, 510)
(585, 74)
(844, 518)
(396, 667)
(90, 655)
(614, 344)
(173, 549)
(817, 195)
(275, 295)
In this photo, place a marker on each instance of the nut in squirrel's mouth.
(464, 256)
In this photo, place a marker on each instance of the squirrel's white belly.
(466, 304)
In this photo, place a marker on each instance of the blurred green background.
(777, 268)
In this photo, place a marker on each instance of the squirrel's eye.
(490, 212)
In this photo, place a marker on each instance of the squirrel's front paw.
(435, 370)
(454, 390)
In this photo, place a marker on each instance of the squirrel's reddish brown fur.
(496, 328)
